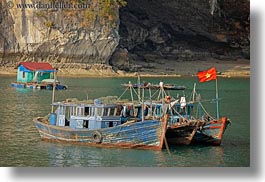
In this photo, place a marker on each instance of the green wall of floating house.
(42, 76)
(28, 76)
(24, 76)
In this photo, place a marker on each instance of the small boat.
(101, 125)
(181, 126)
(197, 129)
(182, 133)
(154, 86)
(193, 125)
(36, 75)
(211, 133)
(169, 87)
(188, 123)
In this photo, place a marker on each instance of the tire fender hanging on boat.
(96, 137)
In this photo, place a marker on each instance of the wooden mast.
(53, 88)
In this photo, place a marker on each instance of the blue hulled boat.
(101, 125)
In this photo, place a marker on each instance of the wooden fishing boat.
(169, 87)
(186, 125)
(196, 128)
(181, 126)
(182, 133)
(101, 125)
(155, 86)
(211, 133)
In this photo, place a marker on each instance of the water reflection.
(76, 156)
(64, 155)
(186, 156)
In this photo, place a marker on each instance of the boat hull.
(144, 135)
(181, 134)
(212, 132)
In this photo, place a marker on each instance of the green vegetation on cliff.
(102, 12)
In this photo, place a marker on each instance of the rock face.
(177, 30)
(143, 35)
(56, 35)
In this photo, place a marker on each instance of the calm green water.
(20, 143)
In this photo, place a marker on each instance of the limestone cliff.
(155, 31)
(57, 35)
(141, 36)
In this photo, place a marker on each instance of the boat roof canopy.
(69, 104)
(35, 66)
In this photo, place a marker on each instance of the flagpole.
(208, 75)
(217, 100)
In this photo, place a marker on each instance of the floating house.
(36, 75)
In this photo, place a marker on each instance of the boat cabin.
(91, 116)
(177, 111)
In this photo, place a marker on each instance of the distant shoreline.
(229, 69)
(132, 75)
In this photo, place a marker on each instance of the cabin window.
(105, 112)
(99, 111)
(150, 110)
(87, 111)
(115, 112)
(72, 109)
(85, 124)
(108, 112)
(158, 111)
(119, 110)
(61, 110)
(138, 111)
(23, 74)
(131, 112)
(80, 111)
(91, 111)
(67, 112)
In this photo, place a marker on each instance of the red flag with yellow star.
(207, 75)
